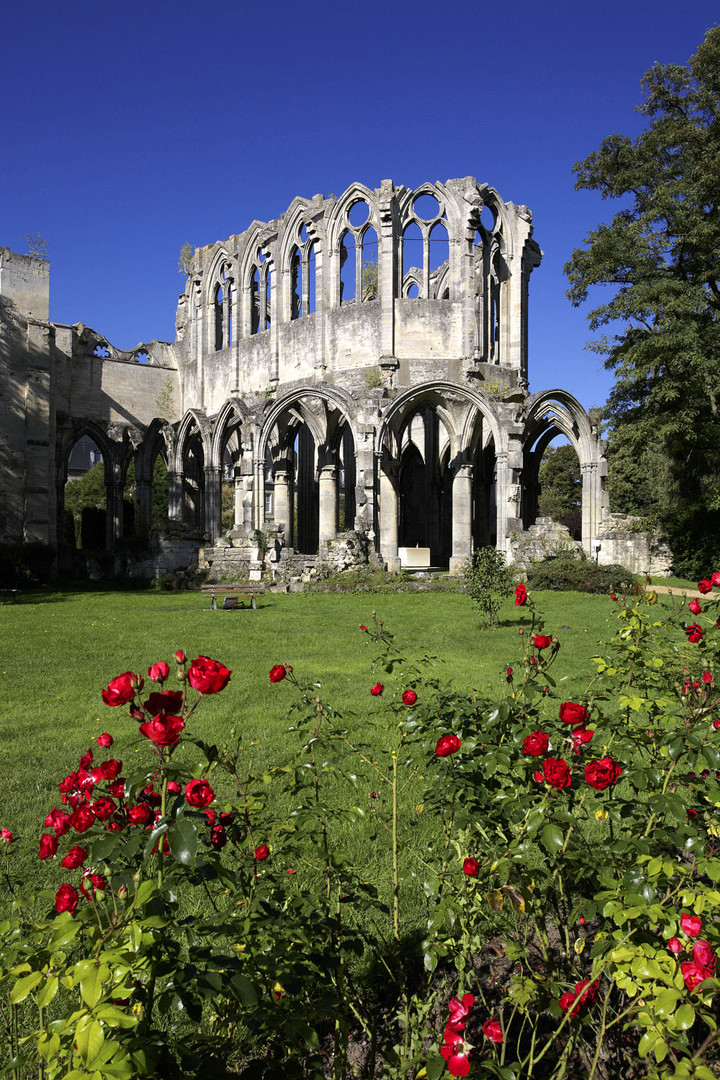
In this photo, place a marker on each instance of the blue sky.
(131, 128)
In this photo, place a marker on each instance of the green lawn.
(59, 650)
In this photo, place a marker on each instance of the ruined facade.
(357, 370)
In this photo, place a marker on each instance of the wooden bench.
(243, 595)
(10, 594)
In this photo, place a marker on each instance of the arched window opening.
(484, 516)
(296, 284)
(412, 258)
(552, 483)
(159, 494)
(268, 297)
(218, 306)
(255, 301)
(307, 494)
(230, 312)
(494, 306)
(369, 265)
(425, 487)
(85, 497)
(311, 277)
(193, 483)
(347, 268)
(438, 257)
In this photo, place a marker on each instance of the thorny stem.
(396, 878)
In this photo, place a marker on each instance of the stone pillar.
(283, 503)
(212, 508)
(591, 506)
(175, 495)
(461, 518)
(328, 492)
(238, 501)
(388, 517)
(114, 515)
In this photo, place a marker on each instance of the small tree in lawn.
(488, 580)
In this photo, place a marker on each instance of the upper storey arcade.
(421, 284)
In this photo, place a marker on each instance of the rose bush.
(571, 905)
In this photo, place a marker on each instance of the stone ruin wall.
(291, 367)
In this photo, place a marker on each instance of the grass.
(60, 650)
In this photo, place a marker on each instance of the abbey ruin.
(357, 370)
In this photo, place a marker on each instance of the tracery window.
(359, 257)
(425, 251)
(223, 309)
(302, 270)
(260, 293)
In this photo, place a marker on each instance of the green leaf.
(552, 838)
(91, 979)
(182, 838)
(666, 1002)
(89, 1038)
(685, 1017)
(48, 992)
(434, 1067)
(25, 986)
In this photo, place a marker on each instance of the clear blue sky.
(131, 128)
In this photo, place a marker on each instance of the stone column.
(114, 515)
(591, 503)
(328, 492)
(461, 517)
(283, 504)
(388, 517)
(212, 525)
(175, 495)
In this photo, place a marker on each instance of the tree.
(561, 487)
(660, 254)
(488, 580)
(37, 245)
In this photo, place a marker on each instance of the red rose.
(7, 836)
(447, 745)
(120, 690)
(585, 993)
(107, 770)
(377, 689)
(363, 628)
(694, 633)
(471, 867)
(541, 641)
(58, 820)
(104, 740)
(82, 818)
(520, 595)
(218, 837)
(208, 676)
(48, 846)
(536, 744)
(140, 813)
(603, 773)
(163, 730)
(163, 701)
(117, 788)
(262, 852)
(173, 787)
(199, 793)
(693, 974)
(493, 1031)
(456, 1052)
(705, 585)
(409, 697)
(459, 1012)
(557, 772)
(716, 578)
(75, 857)
(706, 677)
(571, 713)
(66, 899)
(690, 924)
(159, 672)
(579, 736)
(704, 957)
(180, 657)
(675, 945)
(277, 673)
(696, 607)
(103, 809)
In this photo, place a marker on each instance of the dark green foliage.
(24, 565)
(566, 573)
(488, 580)
(561, 487)
(660, 256)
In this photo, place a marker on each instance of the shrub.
(563, 573)
(25, 565)
(489, 580)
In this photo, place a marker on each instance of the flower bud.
(180, 657)
(180, 676)
(123, 892)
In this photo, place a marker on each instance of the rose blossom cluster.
(95, 794)
(556, 772)
(584, 995)
(693, 630)
(703, 963)
(454, 1048)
